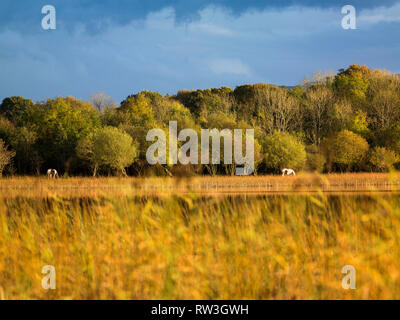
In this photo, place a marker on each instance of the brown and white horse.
(288, 172)
(52, 174)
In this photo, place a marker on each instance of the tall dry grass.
(197, 246)
(97, 187)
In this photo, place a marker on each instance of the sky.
(121, 47)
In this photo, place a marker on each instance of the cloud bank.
(219, 47)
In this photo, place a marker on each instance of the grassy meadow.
(266, 237)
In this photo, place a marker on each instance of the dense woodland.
(349, 121)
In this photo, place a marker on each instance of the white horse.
(288, 172)
(52, 174)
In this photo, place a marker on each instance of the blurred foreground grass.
(200, 247)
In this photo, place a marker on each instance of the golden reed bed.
(218, 185)
(108, 241)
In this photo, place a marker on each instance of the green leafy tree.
(318, 112)
(62, 122)
(5, 156)
(27, 159)
(353, 84)
(136, 116)
(168, 109)
(298, 92)
(7, 129)
(107, 147)
(17, 109)
(200, 102)
(282, 150)
(388, 138)
(245, 100)
(348, 149)
(382, 160)
(137, 109)
(219, 120)
(359, 124)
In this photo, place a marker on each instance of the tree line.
(348, 121)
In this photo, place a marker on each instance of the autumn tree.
(61, 123)
(348, 149)
(352, 83)
(27, 159)
(336, 117)
(276, 108)
(382, 160)
(17, 109)
(5, 156)
(319, 78)
(109, 148)
(383, 100)
(102, 102)
(283, 150)
(201, 102)
(315, 159)
(318, 122)
(7, 129)
(359, 124)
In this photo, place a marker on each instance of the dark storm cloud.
(122, 47)
(23, 14)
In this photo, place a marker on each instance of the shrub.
(281, 150)
(382, 159)
(348, 149)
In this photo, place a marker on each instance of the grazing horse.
(52, 174)
(288, 172)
